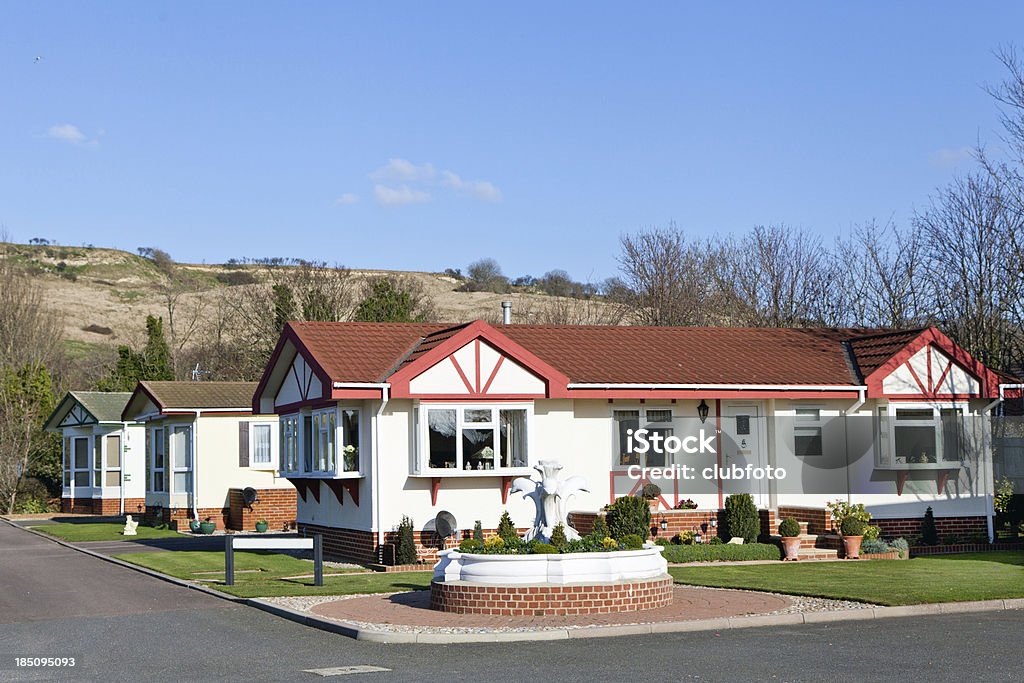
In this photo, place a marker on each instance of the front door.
(743, 444)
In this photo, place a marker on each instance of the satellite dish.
(250, 496)
(445, 525)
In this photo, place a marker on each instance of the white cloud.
(67, 133)
(948, 157)
(346, 199)
(403, 170)
(396, 196)
(479, 189)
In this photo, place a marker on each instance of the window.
(260, 444)
(926, 436)
(181, 458)
(655, 421)
(66, 460)
(350, 440)
(81, 460)
(97, 461)
(290, 443)
(159, 461)
(324, 435)
(113, 473)
(807, 439)
(474, 439)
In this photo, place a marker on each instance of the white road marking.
(345, 670)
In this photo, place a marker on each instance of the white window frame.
(271, 463)
(106, 458)
(157, 442)
(644, 423)
(175, 470)
(885, 452)
(291, 442)
(422, 463)
(326, 465)
(804, 423)
(88, 469)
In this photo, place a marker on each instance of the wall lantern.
(663, 523)
(702, 411)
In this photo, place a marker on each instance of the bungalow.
(203, 446)
(102, 455)
(383, 420)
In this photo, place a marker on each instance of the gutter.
(195, 467)
(722, 387)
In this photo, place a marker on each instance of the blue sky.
(423, 136)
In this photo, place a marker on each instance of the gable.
(300, 383)
(77, 416)
(477, 369)
(930, 372)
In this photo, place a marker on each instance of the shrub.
(872, 532)
(609, 543)
(506, 528)
(32, 506)
(543, 549)
(631, 542)
(715, 540)
(599, 530)
(789, 528)
(629, 515)
(900, 545)
(929, 533)
(558, 538)
(840, 510)
(684, 538)
(722, 552)
(478, 531)
(741, 517)
(650, 491)
(405, 553)
(494, 543)
(852, 526)
(873, 546)
(471, 545)
(581, 545)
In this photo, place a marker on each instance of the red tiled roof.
(371, 352)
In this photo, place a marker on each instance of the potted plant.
(687, 504)
(789, 529)
(651, 492)
(350, 458)
(262, 526)
(193, 525)
(852, 529)
(207, 526)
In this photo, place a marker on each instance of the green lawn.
(950, 578)
(259, 574)
(100, 531)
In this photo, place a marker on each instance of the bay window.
(181, 458)
(159, 460)
(473, 438)
(290, 443)
(80, 454)
(320, 442)
(916, 436)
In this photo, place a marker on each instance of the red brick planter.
(461, 597)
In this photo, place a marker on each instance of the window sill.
(454, 473)
(321, 475)
(921, 466)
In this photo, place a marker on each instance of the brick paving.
(411, 611)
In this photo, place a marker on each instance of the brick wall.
(550, 600)
(817, 520)
(276, 506)
(178, 518)
(108, 507)
(349, 544)
(908, 527)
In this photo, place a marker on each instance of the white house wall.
(443, 377)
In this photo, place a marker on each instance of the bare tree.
(29, 331)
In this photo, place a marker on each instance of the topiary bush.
(852, 526)
(627, 516)
(650, 491)
(405, 553)
(631, 542)
(929, 532)
(741, 517)
(722, 552)
(789, 528)
(558, 538)
(506, 528)
(543, 549)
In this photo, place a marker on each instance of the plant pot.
(851, 546)
(193, 526)
(207, 527)
(261, 527)
(791, 546)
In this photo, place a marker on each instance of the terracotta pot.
(791, 546)
(851, 544)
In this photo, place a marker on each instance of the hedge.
(725, 552)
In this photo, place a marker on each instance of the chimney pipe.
(506, 312)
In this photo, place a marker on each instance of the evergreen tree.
(153, 362)
(506, 528)
(388, 302)
(929, 532)
(405, 553)
(478, 531)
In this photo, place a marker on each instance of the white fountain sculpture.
(130, 527)
(551, 496)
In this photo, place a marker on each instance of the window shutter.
(243, 444)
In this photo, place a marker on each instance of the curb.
(357, 632)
